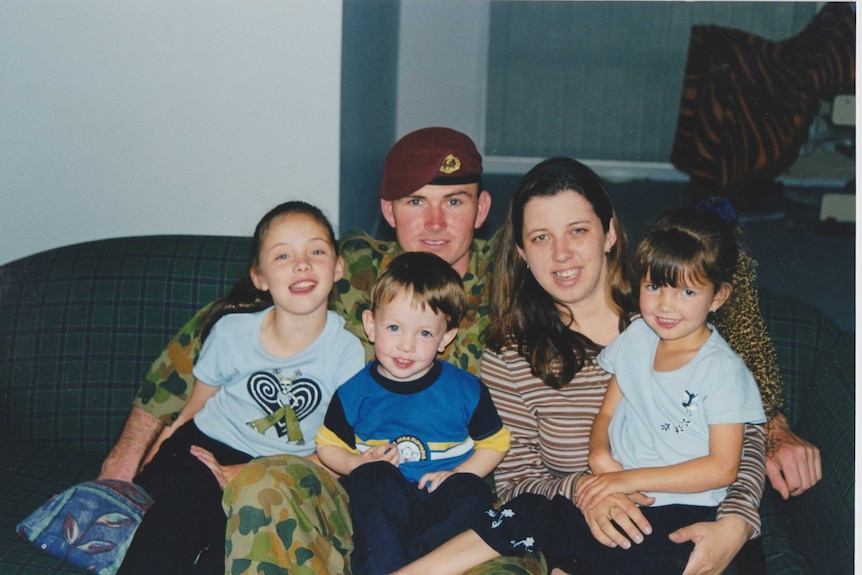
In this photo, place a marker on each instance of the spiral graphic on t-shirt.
(302, 395)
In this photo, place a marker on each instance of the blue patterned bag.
(90, 524)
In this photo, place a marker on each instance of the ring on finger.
(611, 511)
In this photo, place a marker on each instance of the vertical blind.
(602, 80)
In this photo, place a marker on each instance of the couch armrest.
(823, 518)
(801, 334)
(817, 364)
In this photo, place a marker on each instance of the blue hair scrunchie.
(721, 207)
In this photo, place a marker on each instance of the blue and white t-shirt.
(664, 417)
(269, 405)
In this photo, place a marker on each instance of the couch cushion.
(29, 475)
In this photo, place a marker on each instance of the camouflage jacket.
(169, 381)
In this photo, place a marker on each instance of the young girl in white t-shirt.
(271, 360)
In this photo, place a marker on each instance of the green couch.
(79, 325)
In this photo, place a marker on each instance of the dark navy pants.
(558, 529)
(395, 522)
(187, 518)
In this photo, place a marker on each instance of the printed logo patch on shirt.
(690, 406)
(411, 449)
(289, 400)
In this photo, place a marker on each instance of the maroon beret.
(438, 156)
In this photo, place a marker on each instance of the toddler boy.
(412, 436)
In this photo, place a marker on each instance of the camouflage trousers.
(287, 515)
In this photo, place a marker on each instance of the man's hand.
(224, 474)
(716, 543)
(793, 465)
(124, 460)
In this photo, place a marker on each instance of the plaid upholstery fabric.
(29, 475)
(80, 324)
(824, 518)
(813, 533)
(782, 556)
(800, 334)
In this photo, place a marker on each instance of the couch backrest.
(80, 325)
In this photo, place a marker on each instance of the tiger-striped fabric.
(747, 102)
(550, 431)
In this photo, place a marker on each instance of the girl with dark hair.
(265, 375)
(245, 296)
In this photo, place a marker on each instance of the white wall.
(158, 116)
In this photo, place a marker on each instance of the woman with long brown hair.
(561, 293)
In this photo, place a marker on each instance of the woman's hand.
(623, 510)
(223, 473)
(716, 543)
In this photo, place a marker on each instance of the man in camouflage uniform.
(285, 514)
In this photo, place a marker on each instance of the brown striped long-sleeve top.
(550, 433)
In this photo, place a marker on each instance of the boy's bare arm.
(337, 459)
(481, 463)
(487, 454)
(343, 461)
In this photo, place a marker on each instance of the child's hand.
(388, 452)
(434, 480)
(594, 488)
(602, 462)
(223, 473)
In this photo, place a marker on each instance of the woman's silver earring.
(528, 266)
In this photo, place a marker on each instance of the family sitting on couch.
(576, 260)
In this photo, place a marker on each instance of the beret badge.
(450, 165)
